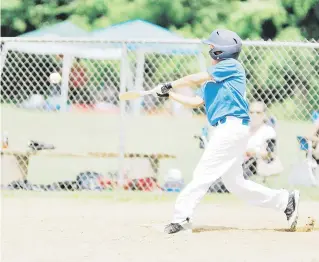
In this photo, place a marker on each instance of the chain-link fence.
(75, 134)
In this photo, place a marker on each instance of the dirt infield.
(58, 229)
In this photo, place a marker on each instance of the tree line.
(251, 19)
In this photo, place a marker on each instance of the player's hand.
(163, 95)
(163, 90)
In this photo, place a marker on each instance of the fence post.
(139, 79)
(4, 53)
(67, 64)
(123, 84)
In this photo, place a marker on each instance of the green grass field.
(100, 132)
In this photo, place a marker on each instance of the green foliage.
(251, 19)
(19, 16)
(285, 75)
(276, 70)
(300, 7)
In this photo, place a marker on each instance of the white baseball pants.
(223, 157)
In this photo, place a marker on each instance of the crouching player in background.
(260, 157)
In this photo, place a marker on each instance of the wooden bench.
(22, 157)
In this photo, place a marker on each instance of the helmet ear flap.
(215, 54)
(236, 55)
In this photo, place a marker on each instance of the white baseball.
(55, 78)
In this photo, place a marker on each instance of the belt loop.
(223, 120)
(245, 122)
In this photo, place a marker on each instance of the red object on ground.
(141, 184)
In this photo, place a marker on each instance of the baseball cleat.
(173, 228)
(292, 209)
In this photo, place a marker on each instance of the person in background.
(314, 138)
(306, 172)
(260, 152)
(78, 80)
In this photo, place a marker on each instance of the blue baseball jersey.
(225, 95)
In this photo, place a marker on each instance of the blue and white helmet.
(227, 44)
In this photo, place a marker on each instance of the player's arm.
(217, 73)
(187, 81)
(193, 80)
(187, 101)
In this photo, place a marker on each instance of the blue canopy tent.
(68, 50)
(140, 31)
(62, 29)
(146, 37)
(136, 29)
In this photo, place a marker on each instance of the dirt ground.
(36, 229)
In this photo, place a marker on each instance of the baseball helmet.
(227, 44)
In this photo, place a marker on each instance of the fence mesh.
(75, 134)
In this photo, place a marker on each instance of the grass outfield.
(99, 132)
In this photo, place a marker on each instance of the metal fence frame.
(123, 77)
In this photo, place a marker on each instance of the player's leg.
(260, 195)
(217, 159)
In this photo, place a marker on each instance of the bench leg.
(154, 161)
(23, 163)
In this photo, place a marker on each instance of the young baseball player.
(224, 95)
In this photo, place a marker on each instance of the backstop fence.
(75, 134)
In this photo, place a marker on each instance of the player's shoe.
(292, 209)
(173, 228)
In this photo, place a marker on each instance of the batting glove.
(163, 95)
(163, 90)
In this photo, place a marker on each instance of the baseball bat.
(136, 94)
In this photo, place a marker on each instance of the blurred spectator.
(315, 117)
(306, 172)
(261, 156)
(314, 138)
(110, 92)
(78, 79)
(106, 100)
(34, 101)
(316, 142)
